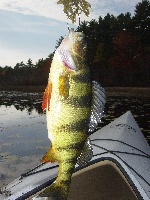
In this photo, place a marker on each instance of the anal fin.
(49, 156)
(86, 154)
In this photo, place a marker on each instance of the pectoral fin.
(64, 86)
(49, 156)
(47, 96)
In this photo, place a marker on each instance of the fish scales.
(71, 110)
(70, 124)
(68, 108)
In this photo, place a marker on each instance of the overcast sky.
(30, 28)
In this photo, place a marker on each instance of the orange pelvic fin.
(47, 96)
(49, 156)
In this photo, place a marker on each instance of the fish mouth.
(72, 48)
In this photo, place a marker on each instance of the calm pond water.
(23, 132)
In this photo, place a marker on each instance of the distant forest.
(118, 52)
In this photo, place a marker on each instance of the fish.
(71, 110)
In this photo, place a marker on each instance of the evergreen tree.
(141, 21)
(29, 63)
(124, 22)
(58, 42)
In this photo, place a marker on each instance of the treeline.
(26, 74)
(118, 52)
(119, 47)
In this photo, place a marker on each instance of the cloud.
(50, 8)
(15, 22)
(29, 29)
(115, 7)
(46, 8)
(27, 36)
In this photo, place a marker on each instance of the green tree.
(7, 75)
(58, 42)
(124, 22)
(40, 63)
(83, 27)
(108, 26)
(29, 63)
(141, 21)
(16, 67)
(51, 55)
(74, 8)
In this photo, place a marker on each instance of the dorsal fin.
(98, 104)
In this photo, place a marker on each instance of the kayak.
(119, 168)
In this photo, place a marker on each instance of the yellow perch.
(67, 100)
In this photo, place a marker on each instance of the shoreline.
(128, 91)
(23, 88)
(110, 91)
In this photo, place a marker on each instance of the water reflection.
(116, 105)
(23, 132)
(22, 101)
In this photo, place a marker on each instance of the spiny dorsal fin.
(98, 104)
